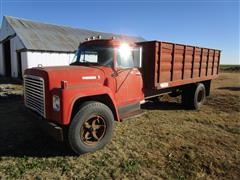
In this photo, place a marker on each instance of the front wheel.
(91, 128)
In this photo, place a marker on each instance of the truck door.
(129, 83)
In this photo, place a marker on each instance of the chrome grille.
(34, 94)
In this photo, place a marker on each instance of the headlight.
(56, 103)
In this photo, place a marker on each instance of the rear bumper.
(50, 128)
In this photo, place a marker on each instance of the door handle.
(138, 73)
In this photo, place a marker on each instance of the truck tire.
(193, 97)
(91, 128)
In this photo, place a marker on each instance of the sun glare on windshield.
(125, 50)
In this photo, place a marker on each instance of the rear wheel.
(194, 96)
(91, 128)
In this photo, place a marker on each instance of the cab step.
(133, 114)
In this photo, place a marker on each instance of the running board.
(133, 114)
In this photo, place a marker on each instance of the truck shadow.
(230, 88)
(20, 136)
(164, 105)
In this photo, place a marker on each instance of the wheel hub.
(93, 130)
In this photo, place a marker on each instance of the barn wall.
(24, 61)
(15, 45)
(5, 32)
(35, 59)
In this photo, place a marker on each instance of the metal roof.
(49, 37)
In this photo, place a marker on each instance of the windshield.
(95, 55)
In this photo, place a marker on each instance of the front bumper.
(50, 128)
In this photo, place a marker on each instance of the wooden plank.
(201, 57)
(184, 60)
(207, 62)
(159, 60)
(155, 65)
(213, 61)
(218, 61)
(173, 62)
(194, 49)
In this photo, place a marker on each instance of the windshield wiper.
(84, 62)
(87, 63)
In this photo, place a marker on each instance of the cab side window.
(124, 62)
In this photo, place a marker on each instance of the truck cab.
(102, 84)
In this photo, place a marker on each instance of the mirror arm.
(115, 73)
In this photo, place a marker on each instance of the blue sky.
(212, 23)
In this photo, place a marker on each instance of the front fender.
(71, 94)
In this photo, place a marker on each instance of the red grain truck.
(108, 82)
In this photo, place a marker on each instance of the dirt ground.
(168, 142)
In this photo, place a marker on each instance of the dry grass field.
(168, 142)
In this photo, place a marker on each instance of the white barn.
(25, 44)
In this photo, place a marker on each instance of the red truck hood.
(73, 74)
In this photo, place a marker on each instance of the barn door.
(7, 57)
(19, 63)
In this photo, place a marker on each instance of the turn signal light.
(64, 84)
